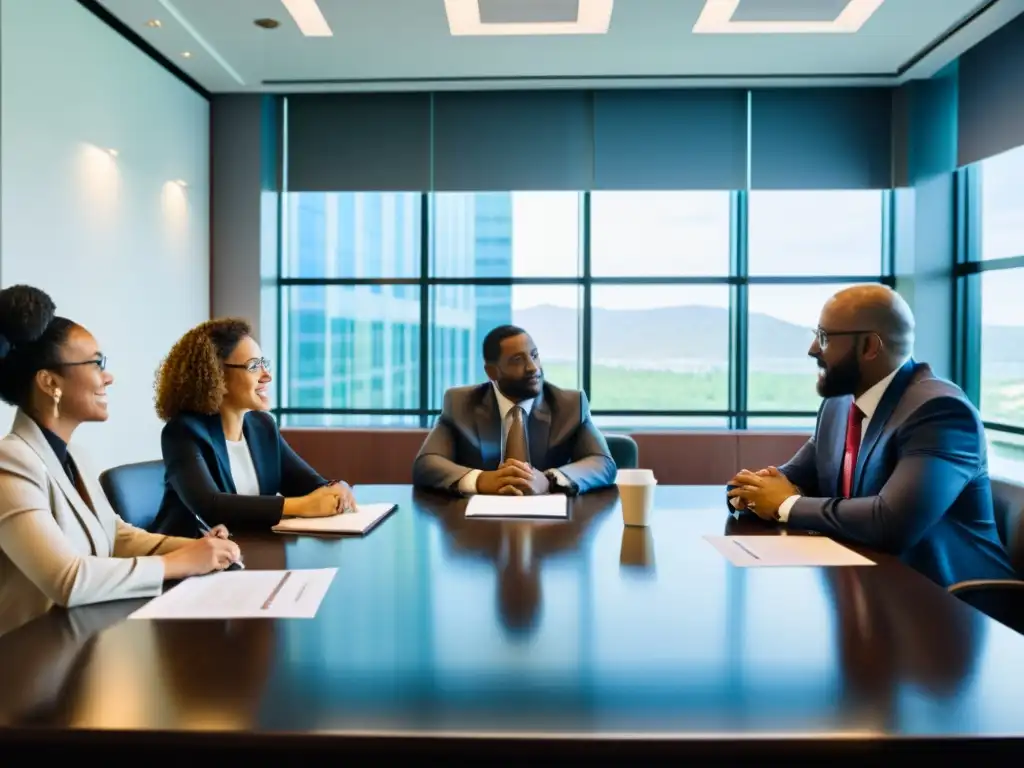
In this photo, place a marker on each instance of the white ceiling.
(407, 45)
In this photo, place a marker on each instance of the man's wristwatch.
(556, 483)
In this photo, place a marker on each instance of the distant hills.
(698, 332)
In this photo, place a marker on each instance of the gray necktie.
(515, 441)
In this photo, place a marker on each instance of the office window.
(505, 234)
(1002, 205)
(1002, 347)
(352, 235)
(780, 374)
(635, 296)
(337, 348)
(825, 233)
(660, 348)
(550, 314)
(1005, 455)
(659, 234)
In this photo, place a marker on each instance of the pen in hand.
(208, 531)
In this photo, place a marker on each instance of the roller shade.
(359, 142)
(817, 138)
(678, 139)
(502, 140)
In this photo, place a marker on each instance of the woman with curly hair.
(226, 462)
(60, 541)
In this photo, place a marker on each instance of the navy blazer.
(198, 475)
(921, 488)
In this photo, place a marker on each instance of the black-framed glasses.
(252, 365)
(822, 336)
(100, 362)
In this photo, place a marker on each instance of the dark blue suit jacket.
(198, 475)
(921, 488)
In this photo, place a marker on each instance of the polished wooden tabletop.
(438, 625)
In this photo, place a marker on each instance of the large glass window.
(991, 282)
(781, 375)
(461, 317)
(1002, 205)
(505, 234)
(636, 297)
(337, 339)
(1002, 347)
(352, 235)
(660, 348)
(663, 234)
(829, 233)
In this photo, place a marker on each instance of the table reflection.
(516, 548)
(891, 633)
(45, 659)
(636, 552)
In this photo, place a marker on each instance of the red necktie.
(853, 424)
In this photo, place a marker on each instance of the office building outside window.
(689, 308)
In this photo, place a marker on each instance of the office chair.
(624, 451)
(135, 491)
(1002, 599)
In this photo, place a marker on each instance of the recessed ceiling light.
(309, 18)
(187, 54)
(516, 17)
(153, 23)
(717, 18)
(267, 23)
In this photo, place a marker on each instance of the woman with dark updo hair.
(60, 541)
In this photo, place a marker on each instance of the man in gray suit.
(516, 434)
(897, 461)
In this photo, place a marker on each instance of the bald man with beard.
(897, 462)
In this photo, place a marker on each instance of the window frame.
(738, 280)
(967, 273)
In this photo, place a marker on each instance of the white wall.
(120, 247)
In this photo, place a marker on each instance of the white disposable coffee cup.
(636, 495)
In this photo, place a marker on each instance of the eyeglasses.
(251, 365)
(100, 362)
(822, 336)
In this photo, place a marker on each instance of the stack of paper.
(754, 551)
(243, 595)
(550, 505)
(365, 517)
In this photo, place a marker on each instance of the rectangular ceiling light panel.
(765, 17)
(308, 17)
(528, 17)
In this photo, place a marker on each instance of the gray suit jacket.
(921, 488)
(561, 436)
(57, 546)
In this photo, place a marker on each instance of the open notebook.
(358, 523)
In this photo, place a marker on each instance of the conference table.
(442, 634)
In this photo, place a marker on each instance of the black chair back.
(135, 491)
(1008, 501)
(624, 451)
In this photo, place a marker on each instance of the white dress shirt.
(243, 472)
(868, 404)
(468, 482)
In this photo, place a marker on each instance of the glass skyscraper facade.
(357, 346)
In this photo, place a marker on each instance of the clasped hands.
(513, 478)
(762, 492)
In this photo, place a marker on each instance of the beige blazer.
(58, 545)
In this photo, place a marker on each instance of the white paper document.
(549, 505)
(243, 595)
(365, 517)
(781, 551)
